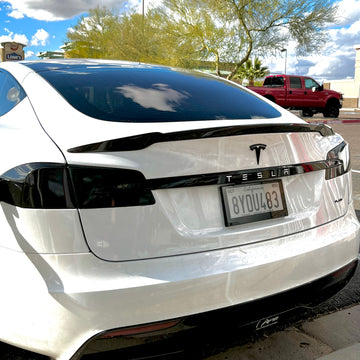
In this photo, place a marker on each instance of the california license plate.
(253, 202)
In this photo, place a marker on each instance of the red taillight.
(345, 270)
(99, 187)
(140, 329)
(37, 185)
(61, 186)
(338, 161)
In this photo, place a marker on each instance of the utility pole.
(285, 57)
(143, 25)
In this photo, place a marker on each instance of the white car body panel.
(197, 222)
(39, 231)
(79, 292)
(21, 126)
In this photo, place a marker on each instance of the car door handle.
(290, 92)
(305, 92)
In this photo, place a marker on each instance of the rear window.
(274, 81)
(154, 94)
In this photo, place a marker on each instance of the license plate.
(253, 202)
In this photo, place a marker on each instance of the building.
(350, 88)
(51, 55)
(12, 51)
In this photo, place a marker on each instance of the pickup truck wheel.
(331, 110)
(306, 113)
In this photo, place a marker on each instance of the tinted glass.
(310, 83)
(295, 82)
(275, 81)
(154, 94)
(11, 93)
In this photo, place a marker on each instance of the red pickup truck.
(300, 93)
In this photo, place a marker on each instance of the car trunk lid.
(174, 191)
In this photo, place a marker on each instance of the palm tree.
(252, 71)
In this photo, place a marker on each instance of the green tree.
(190, 33)
(92, 36)
(262, 27)
(108, 34)
(184, 32)
(252, 71)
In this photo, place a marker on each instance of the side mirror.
(317, 88)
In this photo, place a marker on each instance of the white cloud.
(20, 38)
(40, 38)
(148, 4)
(52, 10)
(349, 11)
(336, 60)
(29, 54)
(16, 14)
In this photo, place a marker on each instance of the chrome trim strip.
(235, 177)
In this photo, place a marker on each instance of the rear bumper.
(224, 323)
(85, 297)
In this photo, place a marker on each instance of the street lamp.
(285, 57)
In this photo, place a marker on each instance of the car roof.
(61, 64)
(20, 69)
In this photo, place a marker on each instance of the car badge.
(257, 148)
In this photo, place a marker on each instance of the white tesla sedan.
(136, 197)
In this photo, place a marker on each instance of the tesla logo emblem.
(257, 148)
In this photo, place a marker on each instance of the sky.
(42, 26)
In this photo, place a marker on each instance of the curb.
(345, 121)
(349, 353)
